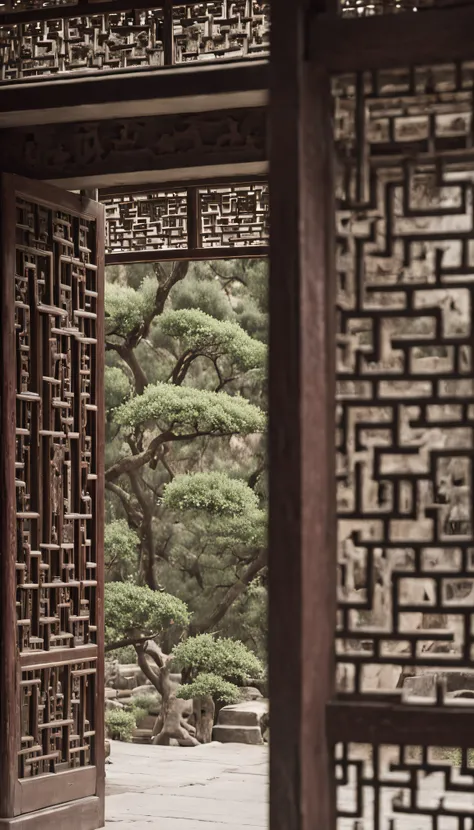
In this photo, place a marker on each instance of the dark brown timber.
(302, 497)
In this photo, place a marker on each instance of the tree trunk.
(204, 711)
(173, 721)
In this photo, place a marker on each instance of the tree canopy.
(186, 510)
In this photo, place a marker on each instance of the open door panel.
(51, 568)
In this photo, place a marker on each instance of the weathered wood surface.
(302, 428)
(131, 145)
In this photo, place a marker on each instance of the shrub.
(120, 724)
(210, 685)
(223, 657)
(144, 702)
(130, 608)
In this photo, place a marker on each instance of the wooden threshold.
(45, 791)
(83, 814)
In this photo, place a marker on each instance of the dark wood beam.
(302, 500)
(109, 192)
(140, 93)
(188, 254)
(388, 41)
(85, 8)
(124, 147)
(381, 723)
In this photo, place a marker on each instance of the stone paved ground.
(221, 786)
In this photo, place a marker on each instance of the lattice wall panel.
(405, 380)
(224, 29)
(231, 217)
(56, 285)
(55, 308)
(95, 42)
(404, 788)
(57, 718)
(224, 216)
(229, 29)
(147, 221)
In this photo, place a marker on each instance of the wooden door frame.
(307, 720)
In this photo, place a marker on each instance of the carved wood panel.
(405, 441)
(78, 44)
(135, 144)
(123, 40)
(235, 216)
(223, 29)
(56, 291)
(226, 217)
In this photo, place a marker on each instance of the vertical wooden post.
(9, 739)
(194, 220)
(302, 430)
(168, 33)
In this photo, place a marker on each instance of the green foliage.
(204, 335)
(117, 387)
(123, 309)
(126, 655)
(185, 410)
(144, 702)
(131, 608)
(207, 684)
(120, 724)
(202, 541)
(217, 493)
(120, 548)
(229, 659)
(207, 296)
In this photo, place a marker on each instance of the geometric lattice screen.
(52, 285)
(405, 434)
(130, 39)
(227, 216)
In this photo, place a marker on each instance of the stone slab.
(176, 788)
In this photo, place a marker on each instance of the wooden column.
(302, 430)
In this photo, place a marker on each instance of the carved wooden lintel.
(127, 145)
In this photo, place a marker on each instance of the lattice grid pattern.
(404, 788)
(405, 376)
(55, 318)
(147, 221)
(57, 718)
(132, 39)
(56, 480)
(224, 29)
(231, 217)
(95, 42)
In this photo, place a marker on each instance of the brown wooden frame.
(195, 251)
(307, 718)
(22, 802)
(302, 429)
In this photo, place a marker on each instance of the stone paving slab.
(172, 788)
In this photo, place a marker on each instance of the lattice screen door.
(372, 274)
(51, 646)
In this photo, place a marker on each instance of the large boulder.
(243, 723)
